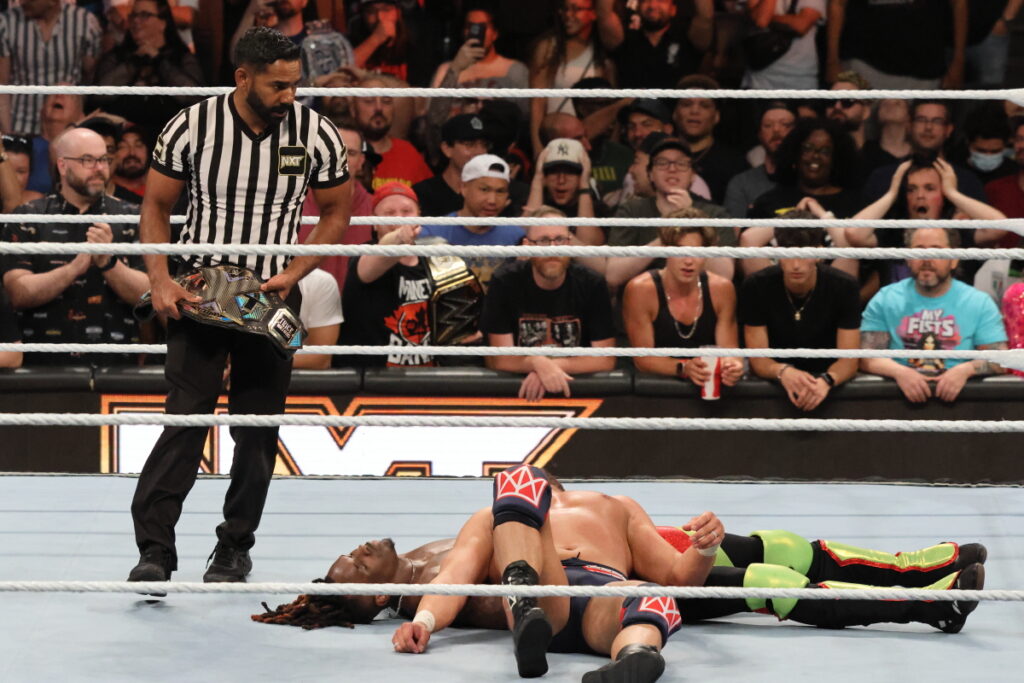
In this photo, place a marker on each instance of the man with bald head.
(80, 298)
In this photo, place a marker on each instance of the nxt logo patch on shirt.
(292, 160)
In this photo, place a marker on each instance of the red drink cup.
(711, 390)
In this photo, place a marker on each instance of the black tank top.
(666, 328)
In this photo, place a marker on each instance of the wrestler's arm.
(654, 559)
(466, 563)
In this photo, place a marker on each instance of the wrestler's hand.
(281, 283)
(708, 530)
(411, 637)
(166, 293)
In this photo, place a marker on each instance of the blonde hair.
(670, 235)
(543, 211)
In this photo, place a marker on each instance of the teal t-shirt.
(962, 318)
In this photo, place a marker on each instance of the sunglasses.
(844, 104)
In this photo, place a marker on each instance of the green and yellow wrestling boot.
(948, 617)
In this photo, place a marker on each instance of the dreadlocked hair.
(311, 612)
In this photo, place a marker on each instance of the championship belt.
(456, 300)
(231, 298)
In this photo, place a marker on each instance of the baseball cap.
(391, 189)
(651, 107)
(669, 143)
(463, 127)
(485, 166)
(563, 154)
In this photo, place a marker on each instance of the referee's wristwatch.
(829, 379)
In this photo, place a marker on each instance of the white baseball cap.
(485, 166)
(564, 153)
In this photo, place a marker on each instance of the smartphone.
(476, 31)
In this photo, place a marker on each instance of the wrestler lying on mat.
(764, 559)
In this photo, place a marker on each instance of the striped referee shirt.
(35, 61)
(245, 188)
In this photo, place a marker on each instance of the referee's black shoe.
(227, 565)
(154, 565)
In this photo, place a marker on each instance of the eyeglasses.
(89, 162)
(844, 104)
(549, 241)
(808, 148)
(142, 16)
(925, 121)
(681, 165)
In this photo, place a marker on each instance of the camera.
(477, 31)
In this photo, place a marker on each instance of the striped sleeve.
(171, 151)
(5, 35)
(330, 160)
(93, 38)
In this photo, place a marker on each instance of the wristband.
(681, 369)
(709, 552)
(426, 619)
(778, 376)
(110, 264)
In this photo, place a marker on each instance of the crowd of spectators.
(688, 157)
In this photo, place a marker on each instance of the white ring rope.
(1008, 357)
(1015, 94)
(1012, 224)
(488, 590)
(429, 250)
(598, 423)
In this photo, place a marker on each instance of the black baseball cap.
(464, 127)
(667, 142)
(649, 106)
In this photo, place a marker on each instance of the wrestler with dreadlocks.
(377, 562)
(763, 559)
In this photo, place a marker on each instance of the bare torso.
(590, 526)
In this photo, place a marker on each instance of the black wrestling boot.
(948, 617)
(970, 553)
(154, 565)
(227, 565)
(954, 614)
(635, 664)
(531, 630)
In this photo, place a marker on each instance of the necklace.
(797, 312)
(696, 318)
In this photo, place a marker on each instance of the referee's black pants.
(196, 357)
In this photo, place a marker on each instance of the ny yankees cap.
(563, 154)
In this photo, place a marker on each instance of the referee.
(247, 158)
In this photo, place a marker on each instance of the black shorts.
(581, 573)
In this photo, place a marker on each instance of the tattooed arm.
(911, 382)
(949, 384)
(985, 367)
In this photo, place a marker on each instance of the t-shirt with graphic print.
(962, 318)
(576, 314)
(393, 310)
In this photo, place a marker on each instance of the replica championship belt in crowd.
(231, 298)
(456, 300)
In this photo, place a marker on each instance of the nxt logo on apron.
(292, 160)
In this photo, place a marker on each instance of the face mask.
(986, 162)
